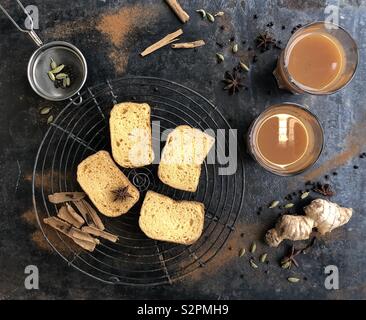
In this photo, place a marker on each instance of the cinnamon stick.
(99, 233)
(178, 10)
(64, 214)
(188, 45)
(90, 246)
(84, 212)
(60, 197)
(94, 215)
(80, 221)
(171, 37)
(81, 238)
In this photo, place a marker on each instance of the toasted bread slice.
(162, 218)
(130, 130)
(102, 181)
(184, 152)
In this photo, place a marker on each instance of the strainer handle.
(79, 102)
(30, 32)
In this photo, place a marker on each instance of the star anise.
(289, 260)
(325, 190)
(121, 194)
(264, 41)
(233, 81)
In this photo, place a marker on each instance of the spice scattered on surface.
(253, 247)
(263, 258)
(220, 57)
(353, 145)
(293, 279)
(202, 12)
(294, 29)
(233, 82)
(253, 264)
(169, 38)
(178, 10)
(121, 26)
(210, 17)
(117, 25)
(286, 264)
(304, 195)
(288, 197)
(274, 204)
(50, 119)
(325, 190)
(45, 110)
(264, 41)
(289, 260)
(188, 45)
(241, 252)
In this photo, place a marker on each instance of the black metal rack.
(79, 131)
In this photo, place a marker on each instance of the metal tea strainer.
(39, 64)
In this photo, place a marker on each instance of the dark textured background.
(343, 116)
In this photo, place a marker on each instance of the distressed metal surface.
(343, 116)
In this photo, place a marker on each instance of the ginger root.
(327, 215)
(321, 214)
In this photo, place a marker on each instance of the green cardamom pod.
(58, 69)
(202, 12)
(210, 17)
(51, 75)
(61, 76)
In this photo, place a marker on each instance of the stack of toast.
(161, 218)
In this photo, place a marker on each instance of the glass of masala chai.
(320, 58)
(286, 139)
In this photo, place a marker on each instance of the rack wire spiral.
(79, 131)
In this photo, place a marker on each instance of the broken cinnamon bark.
(90, 246)
(65, 214)
(60, 197)
(99, 233)
(83, 209)
(188, 45)
(163, 42)
(178, 10)
(84, 236)
(75, 215)
(94, 215)
(78, 236)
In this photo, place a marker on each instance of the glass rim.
(259, 117)
(294, 83)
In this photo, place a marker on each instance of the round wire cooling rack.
(79, 131)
